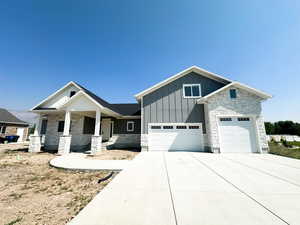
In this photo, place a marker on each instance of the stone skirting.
(96, 144)
(64, 145)
(34, 144)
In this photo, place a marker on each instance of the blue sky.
(118, 48)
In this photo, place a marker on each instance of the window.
(180, 127)
(232, 93)
(155, 127)
(72, 93)
(191, 90)
(2, 130)
(61, 125)
(243, 119)
(130, 126)
(225, 119)
(89, 125)
(44, 126)
(194, 127)
(168, 127)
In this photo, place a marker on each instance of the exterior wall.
(79, 140)
(168, 105)
(60, 98)
(12, 130)
(245, 104)
(120, 126)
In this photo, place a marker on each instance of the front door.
(105, 126)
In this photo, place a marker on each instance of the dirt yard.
(32, 192)
(115, 155)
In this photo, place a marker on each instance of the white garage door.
(175, 137)
(237, 134)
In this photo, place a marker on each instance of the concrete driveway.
(181, 188)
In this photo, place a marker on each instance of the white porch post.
(65, 140)
(35, 139)
(67, 123)
(98, 122)
(96, 142)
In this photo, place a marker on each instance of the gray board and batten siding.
(167, 104)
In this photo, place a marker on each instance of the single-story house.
(194, 110)
(11, 125)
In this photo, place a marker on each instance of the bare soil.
(32, 192)
(115, 154)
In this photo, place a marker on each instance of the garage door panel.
(237, 135)
(180, 138)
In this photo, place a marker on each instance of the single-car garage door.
(175, 137)
(237, 134)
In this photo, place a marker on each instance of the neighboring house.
(194, 110)
(11, 125)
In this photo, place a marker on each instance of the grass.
(277, 149)
(294, 143)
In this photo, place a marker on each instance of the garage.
(237, 135)
(175, 137)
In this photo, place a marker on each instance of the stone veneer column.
(35, 139)
(96, 142)
(65, 140)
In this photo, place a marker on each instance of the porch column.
(97, 138)
(35, 139)
(65, 140)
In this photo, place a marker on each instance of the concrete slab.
(138, 195)
(78, 161)
(184, 188)
(272, 167)
(202, 197)
(280, 197)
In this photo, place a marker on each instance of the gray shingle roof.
(7, 117)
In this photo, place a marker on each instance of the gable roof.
(7, 117)
(195, 69)
(259, 93)
(122, 109)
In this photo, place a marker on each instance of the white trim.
(191, 85)
(90, 98)
(238, 85)
(130, 130)
(195, 69)
(59, 90)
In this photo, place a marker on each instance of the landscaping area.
(284, 150)
(32, 192)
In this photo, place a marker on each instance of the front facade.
(11, 125)
(194, 110)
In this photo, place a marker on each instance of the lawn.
(32, 192)
(283, 151)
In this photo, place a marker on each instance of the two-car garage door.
(237, 134)
(175, 137)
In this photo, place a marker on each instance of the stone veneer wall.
(245, 104)
(79, 140)
(126, 141)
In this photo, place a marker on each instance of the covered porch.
(81, 124)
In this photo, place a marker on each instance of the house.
(194, 110)
(11, 125)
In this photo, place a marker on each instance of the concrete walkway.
(78, 161)
(198, 188)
